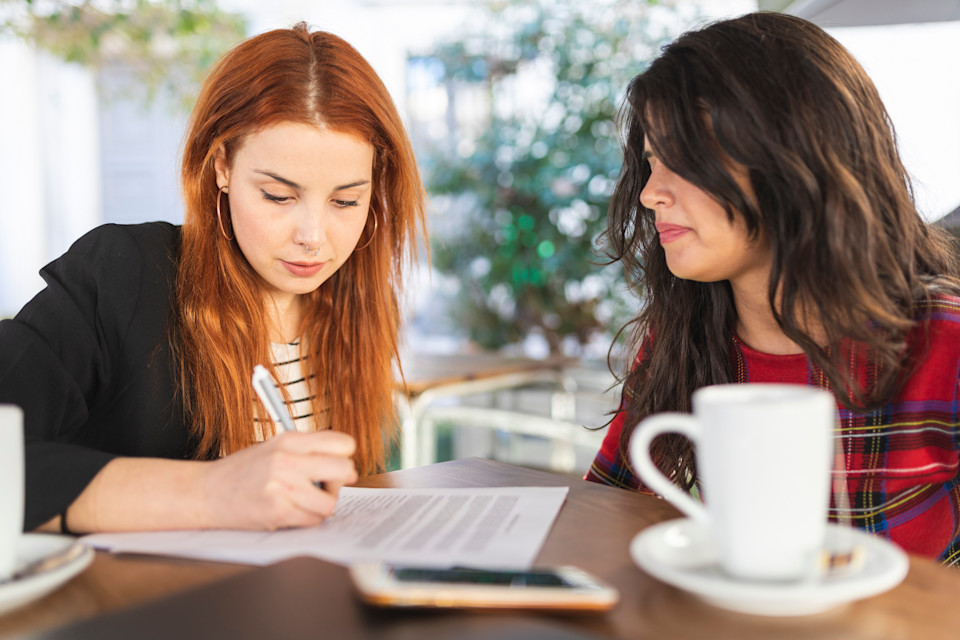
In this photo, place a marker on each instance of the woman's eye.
(343, 204)
(273, 198)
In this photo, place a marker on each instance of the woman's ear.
(222, 167)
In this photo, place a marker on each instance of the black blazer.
(88, 360)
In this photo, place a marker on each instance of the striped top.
(289, 370)
(901, 459)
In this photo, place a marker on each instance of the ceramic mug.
(11, 486)
(764, 455)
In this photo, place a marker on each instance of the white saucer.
(679, 553)
(35, 546)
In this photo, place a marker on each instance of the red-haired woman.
(133, 366)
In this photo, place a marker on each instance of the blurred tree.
(165, 44)
(528, 160)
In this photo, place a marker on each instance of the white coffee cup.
(764, 454)
(11, 486)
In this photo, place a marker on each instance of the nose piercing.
(306, 249)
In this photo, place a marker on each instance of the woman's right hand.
(270, 485)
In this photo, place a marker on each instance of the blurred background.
(510, 105)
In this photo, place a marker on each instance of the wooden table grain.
(593, 531)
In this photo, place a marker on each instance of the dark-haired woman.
(134, 365)
(765, 215)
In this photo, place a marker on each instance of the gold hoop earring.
(219, 221)
(372, 233)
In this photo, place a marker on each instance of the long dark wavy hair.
(777, 95)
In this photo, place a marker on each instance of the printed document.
(486, 528)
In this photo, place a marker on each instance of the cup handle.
(643, 435)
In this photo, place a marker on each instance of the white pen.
(266, 388)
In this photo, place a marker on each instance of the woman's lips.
(670, 232)
(303, 269)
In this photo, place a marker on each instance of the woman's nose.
(311, 226)
(656, 193)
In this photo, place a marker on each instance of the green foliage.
(166, 44)
(528, 194)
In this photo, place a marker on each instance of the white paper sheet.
(486, 527)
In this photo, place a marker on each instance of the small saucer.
(35, 546)
(679, 553)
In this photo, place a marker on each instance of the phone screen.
(533, 578)
(554, 588)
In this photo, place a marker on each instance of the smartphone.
(565, 587)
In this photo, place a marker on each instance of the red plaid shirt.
(901, 459)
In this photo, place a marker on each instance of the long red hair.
(350, 330)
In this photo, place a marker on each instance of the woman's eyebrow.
(291, 183)
(270, 174)
(358, 183)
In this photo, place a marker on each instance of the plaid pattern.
(901, 460)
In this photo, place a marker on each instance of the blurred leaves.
(165, 44)
(525, 190)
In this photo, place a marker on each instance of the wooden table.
(424, 372)
(428, 377)
(593, 531)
